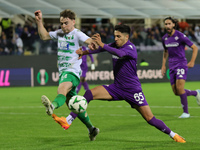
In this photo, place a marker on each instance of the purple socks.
(189, 92)
(88, 95)
(184, 102)
(160, 125)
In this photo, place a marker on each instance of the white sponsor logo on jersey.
(64, 45)
(173, 44)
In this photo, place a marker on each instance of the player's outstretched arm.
(44, 35)
(115, 51)
(80, 52)
(91, 44)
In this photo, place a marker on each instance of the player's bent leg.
(100, 93)
(184, 104)
(85, 119)
(47, 103)
(97, 93)
(160, 125)
(174, 89)
(145, 111)
(183, 97)
(190, 92)
(59, 101)
(93, 131)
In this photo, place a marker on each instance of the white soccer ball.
(77, 104)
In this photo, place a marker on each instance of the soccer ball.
(77, 104)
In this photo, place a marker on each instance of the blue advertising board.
(15, 77)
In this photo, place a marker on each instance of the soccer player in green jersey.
(69, 39)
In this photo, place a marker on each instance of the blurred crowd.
(24, 40)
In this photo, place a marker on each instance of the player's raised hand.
(93, 46)
(38, 15)
(97, 38)
(79, 52)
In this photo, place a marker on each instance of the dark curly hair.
(173, 20)
(123, 28)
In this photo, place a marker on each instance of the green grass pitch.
(24, 124)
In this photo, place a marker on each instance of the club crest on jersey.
(176, 38)
(69, 37)
(166, 38)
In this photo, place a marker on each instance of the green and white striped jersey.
(67, 46)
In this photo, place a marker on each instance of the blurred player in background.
(126, 84)
(84, 68)
(69, 40)
(174, 47)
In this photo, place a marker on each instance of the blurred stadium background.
(145, 17)
(24, 124)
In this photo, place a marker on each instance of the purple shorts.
(131, 96)
(178, 73)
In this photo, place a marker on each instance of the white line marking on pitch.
(98, 106)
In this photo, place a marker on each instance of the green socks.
(85, 119)
(59, 100)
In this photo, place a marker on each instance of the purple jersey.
(124, 65)
(175, 45)
(84, 66)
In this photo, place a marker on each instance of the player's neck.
(71, 30)
(172, 33)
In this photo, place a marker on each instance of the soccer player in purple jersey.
(174, 49)
(84, 68)
(126, 84)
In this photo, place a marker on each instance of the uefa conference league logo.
(42, 77)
